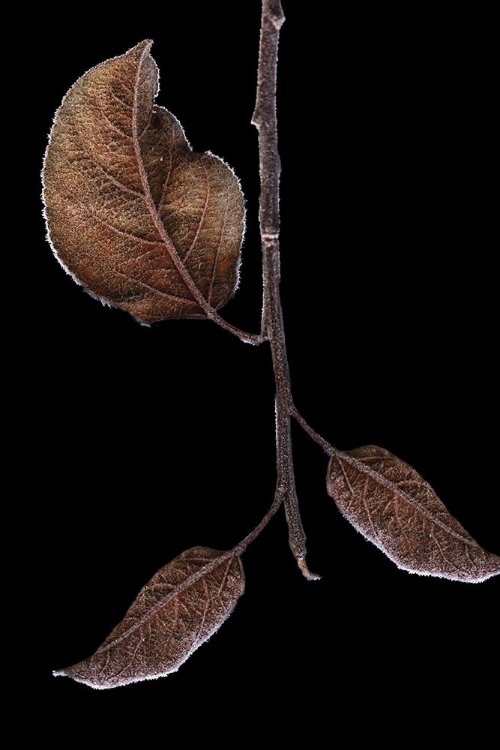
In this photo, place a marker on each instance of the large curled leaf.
(392, 506)
(184, 603)
(132, 213)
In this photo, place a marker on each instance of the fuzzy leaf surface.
(133, 214)
(184, 603)
(395, 508)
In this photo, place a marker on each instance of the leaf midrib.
(174, 255)
(405, 497)
(191, 580)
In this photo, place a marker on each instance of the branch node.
(270, 237)
(278, 21)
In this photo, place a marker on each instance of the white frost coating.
(426, 573)
(103, 300)
(146, 670)
(62, 673)
(244, 229)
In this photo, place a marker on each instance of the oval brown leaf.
(184, 603)
(135, 216)
(392, 506)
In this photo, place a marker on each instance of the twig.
(313, 434)
(264, 119)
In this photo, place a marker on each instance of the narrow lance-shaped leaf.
(132, 213)
(392, 506)
(184, 603)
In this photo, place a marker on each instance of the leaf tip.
(145, 45)
(59, 673)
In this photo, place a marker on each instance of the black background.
(142, 442)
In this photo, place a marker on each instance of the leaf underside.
(393, 507)
(135, 216)
(184, 603)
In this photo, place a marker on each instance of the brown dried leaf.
(184, 603)
(135, 216)
(392, 506)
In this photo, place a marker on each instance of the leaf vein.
(202, 219)
(216, 259)
(382, 481)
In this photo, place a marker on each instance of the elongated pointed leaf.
(392, 506)
(184, 603)
(133, 214)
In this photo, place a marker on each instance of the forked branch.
(264, 118)
(175, 260)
